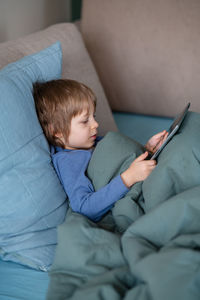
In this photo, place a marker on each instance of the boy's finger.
(162, 139)
(153, 162)
(142, 156)
(160, 134)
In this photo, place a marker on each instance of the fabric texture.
(146, 53)
(32, 201)
(71, 167)
(157, 255)
(20, 282)
(178, 164)
(111, 157)
(140, 127)
(76, 62)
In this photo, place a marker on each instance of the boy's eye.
(85, 121)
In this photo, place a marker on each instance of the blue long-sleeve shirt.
(71, 166)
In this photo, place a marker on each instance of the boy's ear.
(58, 135)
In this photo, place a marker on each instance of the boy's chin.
(90, 145)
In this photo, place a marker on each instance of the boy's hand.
(139, 170)
(156, 141)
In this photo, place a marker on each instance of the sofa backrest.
(147, 53)
(76, 62)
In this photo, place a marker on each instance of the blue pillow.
(32, 201)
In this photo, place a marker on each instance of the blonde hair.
(57, 102)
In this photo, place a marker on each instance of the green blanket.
(148, 246)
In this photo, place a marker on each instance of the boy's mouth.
(94, 136)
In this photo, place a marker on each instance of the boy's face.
(83, 131)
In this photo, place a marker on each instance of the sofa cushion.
(146, 53)
(76, 62)
(32, 201)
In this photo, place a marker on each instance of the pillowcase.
(32, 201)
(178, 165)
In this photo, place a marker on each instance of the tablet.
(172, 131)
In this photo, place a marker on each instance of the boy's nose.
(95, 124)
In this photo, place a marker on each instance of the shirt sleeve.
(83, 199)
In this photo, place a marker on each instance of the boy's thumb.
(142, 156)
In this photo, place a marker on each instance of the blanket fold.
(148, 246)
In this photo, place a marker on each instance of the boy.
(66, 111)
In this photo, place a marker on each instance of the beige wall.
(21, 17)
